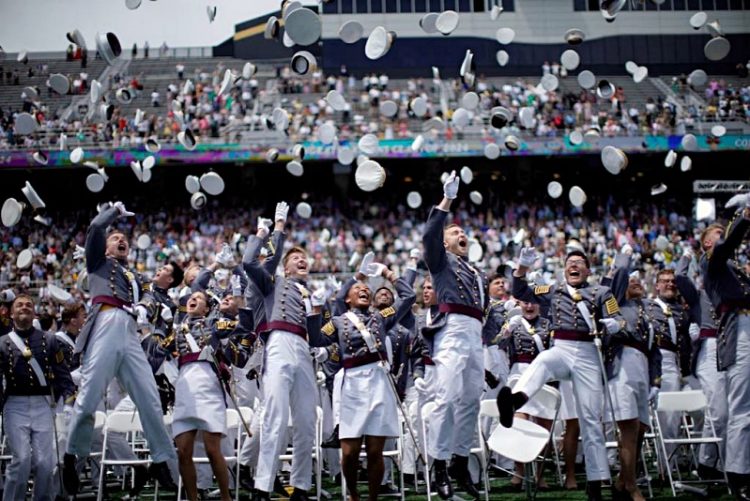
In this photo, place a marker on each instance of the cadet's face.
(358, 296)
(576, 271)
(296, 265)
(22, 312)
(190, 274)
(711, 238)
(666, 287)
(635, 288)
(497, 288)
(529, 310)
(117, 246)
(383, 298)
(77, 322)
(229, 305)
(428, 294)
(197, 306)
(456, 241)
(163, 277)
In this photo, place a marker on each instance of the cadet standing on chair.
(112, 348)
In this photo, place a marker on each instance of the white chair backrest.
(681, 401)
(247, 414)
(168, 418)
(99, 419)
(488, 408)
(124, 422)
(513, 380)
(548, 397)
(233, 418)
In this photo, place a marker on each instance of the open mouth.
(364, 296)
(463, 243)
(122, 247)
(574, 273)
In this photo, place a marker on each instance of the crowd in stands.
(334, 233)
(248, 104)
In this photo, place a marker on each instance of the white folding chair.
(487, 409)
(317, 452)
(526, 440)
(120, 422)
(233, 423)
(683, 402)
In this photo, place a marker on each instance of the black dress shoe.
(298, 495)
(594, 490)
(70, 474)
(140, 477)
(709, 473)
(442, 480)
(246, 479)
(507, 404)
(740, 485)
(388, 489)
(160, 472)
(459, 471)
(278, 487)
(261, 496)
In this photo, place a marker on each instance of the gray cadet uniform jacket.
(522, 345)
(637, 333)
(566, 319)
(286, 300)
(253, 296)
(110, 281)
(460, 287)
(728, 286)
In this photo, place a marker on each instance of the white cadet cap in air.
(369, 175)
(192, 184)
(447, 22)
(577, 196)
(414, 199)
(351, 31)
(379, 43)
(212, 183)
(505, 35)
(11, 212)
(303, 26)
(554, 189)
(32, 196)
(295, 168)
(25, 123)
(108, 46)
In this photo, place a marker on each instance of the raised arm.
(403, 303)
(96, 237)
(724, 249)
(434, 248)
(621, 277)
(520, 288)
(62, 382)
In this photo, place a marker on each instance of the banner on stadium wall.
(388, 149)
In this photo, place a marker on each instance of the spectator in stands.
(180, 71)
(145, 50)
(134, 52)
(155, 98)
(69, 53)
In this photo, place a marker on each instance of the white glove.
(332, 285)
(166, 314)
(7, 296)
(141, 316)
(282, 209)
(515, 319)
(264, 224)
(320, 354)
(527, 257)
(376, 269)
(611, 325)
(79, 253)
(450, 187)
(687, 252)
(76, 376)
(415, 254)
(694, 330)
(364, 266)
(321, 377)
(225, 257)
(420, 385)
(236, 284)
(627, 249)
(653, 393)
(318, 298)
(123, 211)
(741, 200)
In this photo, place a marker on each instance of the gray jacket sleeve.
(96, 238)
(256, 272)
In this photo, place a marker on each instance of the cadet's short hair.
(711, 227)
(579, 253)
(116, 232)
(293, 250)
(71, 311)
(451, 225)
(664, 271)
(23, 295)
(177, 274)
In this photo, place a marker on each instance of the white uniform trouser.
(28, 430)
(251, 445)
(459, 378)
(738, 398)
(713, 384)
(114, 350)
(288, 382)
(670, 381)
(577, 361)
(411, 404)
